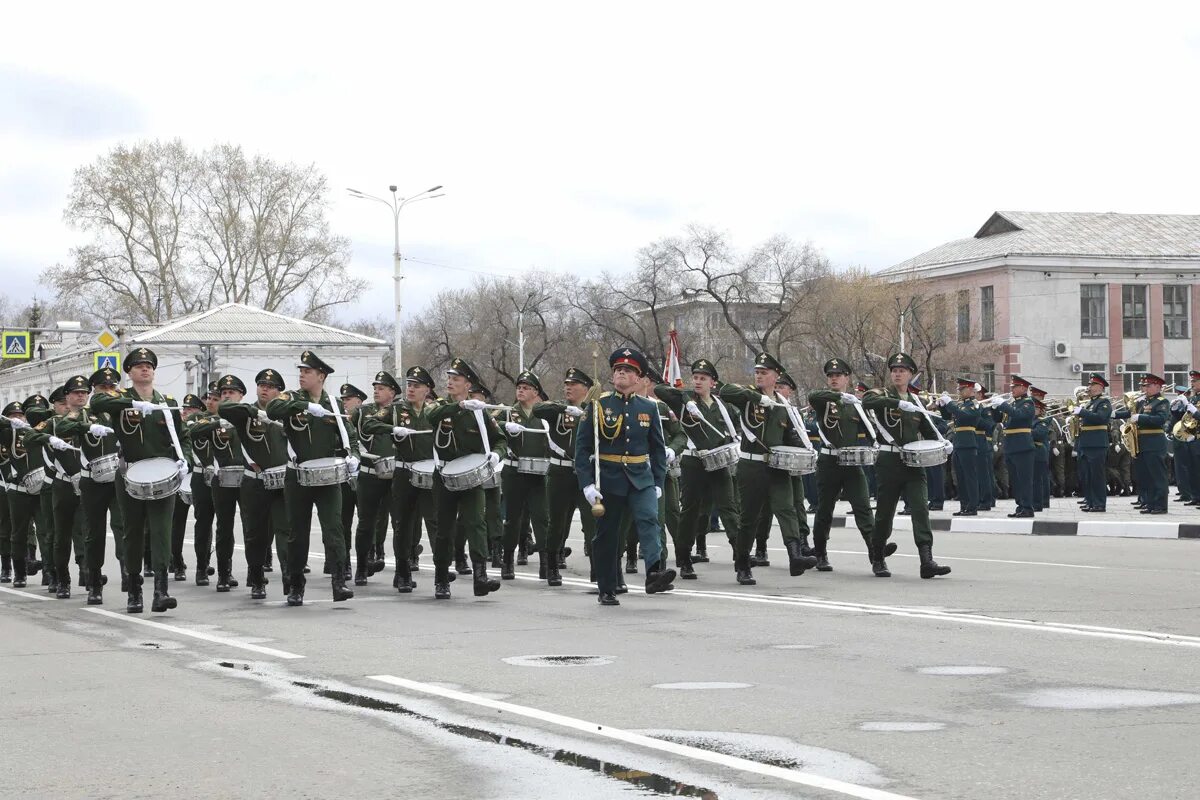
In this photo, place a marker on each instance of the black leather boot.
(124, 577)
(483, 585)
(133, 603)
(63, 591)
(5, 569)
(929, 567)
(49, 579)
(741, 567)
(822, 554)
(495, 554)
(507, 572)
(18, 580)
(701, 556)
(338, 581)
(377, 563)
(760, 558)
(95, 595)
(543, 564)
(522, 553)
(32, 563)
(684, 562)
(295, 592)
(403, 581)
(414, 562)
(441, 583)
(461, 565)
(631, 567)
(360, 574)
(83, 582)
(798, 562)
(553, 576)
(659, 579)
(201, 576)
(268, 562)
(162, 598)
(180, 571)
(258, 583)
(224, 576)
(805, 547)
(878, 566)
(562, 557)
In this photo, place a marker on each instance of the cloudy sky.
(570, 134)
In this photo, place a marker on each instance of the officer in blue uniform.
(983, 451)
(1041, 457)
(964, 416)
(1018, 444)
(935, 477)
(1092, 444)
(1150, 415)
(633, 469)
(1184, 447)
(1187, 405)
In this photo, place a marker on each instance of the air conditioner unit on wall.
(1062, 349)
(1076, 367)
(1120, 369)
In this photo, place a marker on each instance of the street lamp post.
(396, 204)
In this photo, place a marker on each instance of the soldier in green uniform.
(840, 417)
(1041, 457)
(767, 421)
(25, 477)
(668, 504)
(6, 553)
(525, 493)
(462, 429)
(492, 502)
(407, 423)
(315, 428)
(1018, 444)
(964, 417)
(203, 475)
(620, 441)
(1150, 415)
(37, 411)
(373, 492)
(562, 489)
(352, 397)
(706, 423)
(902, 421)
(1092, 445)
(147, 428)
(190, 406)
(261, 494)
(787, 390)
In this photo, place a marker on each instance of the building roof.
(234, 323)
(1173, 237)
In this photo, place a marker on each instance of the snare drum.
(230, 477)
(467, 472)
(385, 467)
(185, 492)
(322, 472)
(104, 468)
(675, 470)
(274, 477)
(32, 482)
(796, 460)
(493, 481)
(210, 475)
(152, 479)
(720, 457)
(923, 454)
(856, 456)
(420, 473)
(532, 465)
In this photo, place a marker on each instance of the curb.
(1049, 527)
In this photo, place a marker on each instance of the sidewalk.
(1063, 518)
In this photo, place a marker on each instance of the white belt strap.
(553, 445)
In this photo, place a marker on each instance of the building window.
(1093, 304)
(1133, 311)
(989, 376)
(964, 315)
(1088, 369)
(987, 314)
(1175, 311)
(1133, 376)
(1175, 375)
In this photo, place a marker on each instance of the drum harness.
(729, 431)
(829, 449)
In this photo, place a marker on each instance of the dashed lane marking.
(207, 637)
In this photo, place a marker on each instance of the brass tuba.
(1186, 429)
(1129, 430)
(1075, 425)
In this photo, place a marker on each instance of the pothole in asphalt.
(962, 669)
(1096, 698)
(558, 661)
(702, 685)
(901, 727)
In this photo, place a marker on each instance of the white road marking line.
(207, 637)
(20, 593)
(628, 737)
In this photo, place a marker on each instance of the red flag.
(671, 372)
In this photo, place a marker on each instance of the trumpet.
(1128, 401)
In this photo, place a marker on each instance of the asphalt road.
(1041, 668)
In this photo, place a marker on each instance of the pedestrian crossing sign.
(16, 344)
(110, 360)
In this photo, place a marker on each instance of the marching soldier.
(409, 426)
(865, 440)
(147, 428)
(352, 397)
(631, 463)
(1186, 405)
(37, 411)
(1092, 443)
(839, 417)
(901, 421)
(1018, 444)
(1041, 457)
(6, 553)
(202, 478)
(562, 488)
(964, 418)
(461, 429)
(786, 387)
(1150, 415)
(374, 492)
(24, 505)
(314, 426)
(525, 493)
(767, 421)
(264, 508)
(189, 406)
(668, 504)
(984, 429)
(491, 498)
(707, 424)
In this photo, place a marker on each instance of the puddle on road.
(558, 661)
(702, 685)
(901, 727)
(966, 669)
(648, 781)
(1098, 698)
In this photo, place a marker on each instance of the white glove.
(1177, 403)
(59, 444)
(767, 402)
(573, 411)
(401, 432)
(1116, 448)
(493, 458)
(472, 404)
(184, 470)
(262, 417)
(1134, 418)
(658, 493)
(912, 408)
(670, 456)
(850, 398)
(19, 423)
(514, 428)
(592, 494)
(944, 399)
(145, 406)
(99, 431)
(691, 407)
(1191, 408)
(949, 447)
(995, 400)
(1077, 410)
(352, 465)
(996, 448)
(226, 424)
(1054, 450)
(317, 410)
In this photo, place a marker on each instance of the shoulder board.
(168, 397)
(607, 394)
(283, 396)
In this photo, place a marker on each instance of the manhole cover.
(558, 661)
